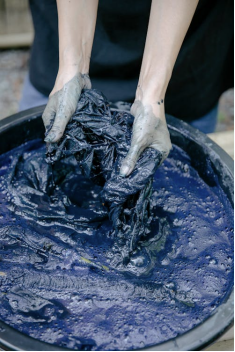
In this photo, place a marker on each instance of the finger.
(130, 160)
(164, 153)
(67, 103)
(49, 112)
(62, 118)
(86, 81)
(163, 144)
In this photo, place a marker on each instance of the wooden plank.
(16, 40)
(16, 28)
(16, 5)
(225, 140)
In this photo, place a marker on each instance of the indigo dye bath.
(60, 278)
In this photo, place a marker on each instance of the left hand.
(62, 103)
(149, 130)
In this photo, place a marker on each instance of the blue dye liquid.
(59, 282)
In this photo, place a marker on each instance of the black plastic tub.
(28, 125)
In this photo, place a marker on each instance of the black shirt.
(203, 69)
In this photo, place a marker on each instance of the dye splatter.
(59, 278)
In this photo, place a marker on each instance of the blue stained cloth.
(59, 283)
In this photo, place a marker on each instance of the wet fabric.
(98, 141)
(59, 281)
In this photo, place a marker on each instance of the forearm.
(168, 24)
(77, 19)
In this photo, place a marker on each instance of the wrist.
(67, 74)
(152, 86)
(147, 107)
(72, 59)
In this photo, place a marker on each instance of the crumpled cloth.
(98, 139)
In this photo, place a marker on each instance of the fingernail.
(50, 137)
(124, 170)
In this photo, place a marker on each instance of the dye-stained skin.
(76, 22)
(148, 131)
(61, 106)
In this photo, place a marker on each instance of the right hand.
(62, 103)
(149, 130)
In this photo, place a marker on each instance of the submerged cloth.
(98, 141)
(202, 72)
(59, 284)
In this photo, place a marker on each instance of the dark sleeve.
(44, 60)
(204, 67)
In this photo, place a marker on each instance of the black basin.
(28, 125)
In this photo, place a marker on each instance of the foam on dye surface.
(59, 282)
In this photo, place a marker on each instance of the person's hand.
(62, 103)
(149, 130)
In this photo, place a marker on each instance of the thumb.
(130, 160)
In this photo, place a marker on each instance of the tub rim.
(202, 335)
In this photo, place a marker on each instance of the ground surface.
(222, 346)
(14, 65)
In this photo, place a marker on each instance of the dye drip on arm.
(98, 141)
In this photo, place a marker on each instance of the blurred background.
(16, 36)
